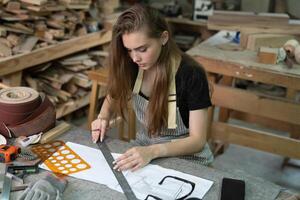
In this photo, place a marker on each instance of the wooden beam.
(42, 55)
(287, 29)
(245, 101)
(262, 121)
(249, 73)
(256, 139)
(247, 19)
(252, 23)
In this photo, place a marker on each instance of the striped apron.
(176, 128)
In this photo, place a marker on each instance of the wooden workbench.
(223, 67)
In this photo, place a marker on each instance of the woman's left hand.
(134, 158)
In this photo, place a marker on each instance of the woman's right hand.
(99, 128)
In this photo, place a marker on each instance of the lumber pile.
(65, 80)
(27, 25)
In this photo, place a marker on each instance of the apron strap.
(172, 94)
(138, 82)
(175, 62)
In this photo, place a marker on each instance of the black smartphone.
(232, 189)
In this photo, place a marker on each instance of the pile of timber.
(26, 25)
(65, 80)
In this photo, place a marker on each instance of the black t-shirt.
(192, 91)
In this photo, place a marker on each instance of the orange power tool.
(8, 153)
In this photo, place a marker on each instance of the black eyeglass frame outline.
(177, 178)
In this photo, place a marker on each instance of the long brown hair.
(123, 70)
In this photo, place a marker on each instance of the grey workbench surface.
(77, 189)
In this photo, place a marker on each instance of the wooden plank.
(248, 18)
(224, 112)
(35, 2)
(244, 39)
(185, 21)
(55, 132)
(93, 102)
(262, 121)
(280, 6)
(287, 29)
(16, 63)
(267, 55)
(13, 79)
(3, 86)
(249, 73)
(71, 106)
(5, 50)
(252, 23)
(245, 101)
(291, 94)
(100, 75)
(28, 44)
(82, 80)
(256, 40)
(260, 140)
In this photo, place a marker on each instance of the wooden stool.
(99, 78)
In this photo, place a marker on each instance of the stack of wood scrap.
(65, 80)
(30, 24)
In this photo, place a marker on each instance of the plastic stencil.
(59, 158)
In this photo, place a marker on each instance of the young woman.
(169, 91)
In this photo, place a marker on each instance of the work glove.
(48, 188)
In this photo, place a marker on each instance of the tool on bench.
(26, 163)
(8, 153)
(23, 169)
(25, 141)
(6, 186)
(118, 174)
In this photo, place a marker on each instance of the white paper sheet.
(143, 182)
